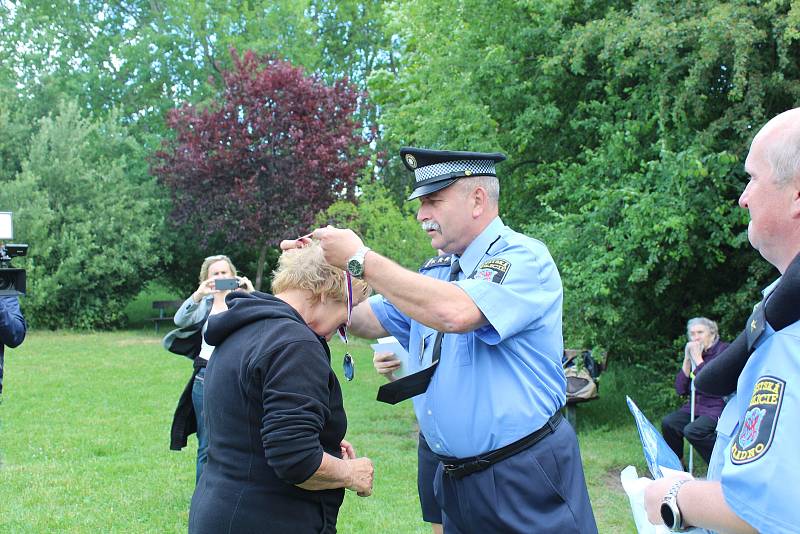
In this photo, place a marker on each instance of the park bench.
(166, 311)
(583, 371)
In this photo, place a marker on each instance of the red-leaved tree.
(256, 165)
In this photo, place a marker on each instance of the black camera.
(12, 281)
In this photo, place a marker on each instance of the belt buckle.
(460, 471)
(453, 470)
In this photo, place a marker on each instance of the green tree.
(93, 219)
(626, 125)
(389, 229)
(143, 57)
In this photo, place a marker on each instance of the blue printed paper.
(656, 451)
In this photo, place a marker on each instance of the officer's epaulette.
(436, 261)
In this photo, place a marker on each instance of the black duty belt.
(459, 468)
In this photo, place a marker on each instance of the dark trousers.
(701, 433)
(202, 432)
(539, 489)
(427, 462)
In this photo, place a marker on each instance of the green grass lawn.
(84, 441)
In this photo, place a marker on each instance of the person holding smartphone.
(217, 279)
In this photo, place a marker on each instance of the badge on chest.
(494, 270)
(758, 427)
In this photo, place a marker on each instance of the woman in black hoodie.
(277, 458)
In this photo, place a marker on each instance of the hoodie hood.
(245, 308)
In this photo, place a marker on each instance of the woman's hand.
(361, 473)
(695, 350)
(246, 284)
(348, 452)
(204, 289)
(360, 468)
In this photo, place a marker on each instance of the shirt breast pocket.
(728, 420)
(423, 351)
(726, 431)
(464, 349)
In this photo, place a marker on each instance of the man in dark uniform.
(482, 325)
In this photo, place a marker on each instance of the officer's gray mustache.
(431, 225)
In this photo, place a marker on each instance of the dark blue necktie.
(416, 383)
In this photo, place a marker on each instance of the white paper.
(390, 344)
(667, 472)
(635, 487)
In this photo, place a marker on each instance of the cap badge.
(467, 172)
(411, 160)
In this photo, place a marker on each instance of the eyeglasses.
(348, 365)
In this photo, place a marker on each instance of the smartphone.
(222, 284)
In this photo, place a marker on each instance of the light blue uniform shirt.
(504, 380)
(761, 459)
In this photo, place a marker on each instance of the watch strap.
(671, 501)
(358, 258)
(361, 253)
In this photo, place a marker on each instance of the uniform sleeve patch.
(760, 421)
(494, 270)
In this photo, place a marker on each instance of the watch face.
(355, 267)
(667, 516)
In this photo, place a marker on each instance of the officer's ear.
(795, 206)
(478, 200)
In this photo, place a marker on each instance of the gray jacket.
(189, 319)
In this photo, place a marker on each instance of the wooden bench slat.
(163, 306)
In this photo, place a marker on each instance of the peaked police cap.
(436, 169)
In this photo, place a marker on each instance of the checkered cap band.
(477, 166)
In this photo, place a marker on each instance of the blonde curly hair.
(306, 268)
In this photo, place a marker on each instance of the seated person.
(703, 346)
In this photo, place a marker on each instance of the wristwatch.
(355, 265)
(670, 512)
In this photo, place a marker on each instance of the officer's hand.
(300, 242)
(385, 364)
(338, 244)
(361, 473)
(654, 496)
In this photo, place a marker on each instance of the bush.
(92, 216)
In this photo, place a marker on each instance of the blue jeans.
(202, 433)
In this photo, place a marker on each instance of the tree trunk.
(262, 258)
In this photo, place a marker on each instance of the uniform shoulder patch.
(436, 261)
(494, 270)
(760, 420)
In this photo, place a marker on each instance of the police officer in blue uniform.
(760, 447)
(482, 325)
